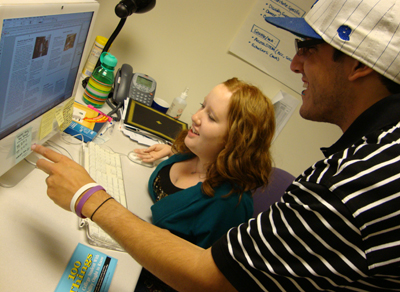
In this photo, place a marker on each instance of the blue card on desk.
(80, 132)
(88, 270)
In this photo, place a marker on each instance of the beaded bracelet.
(79, 193)
(84, 198)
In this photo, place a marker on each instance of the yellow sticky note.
(67, 113)
(59, 116)
(46, 124)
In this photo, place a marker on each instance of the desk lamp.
(123, 9)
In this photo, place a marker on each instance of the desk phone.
(143, 88)
(138, 86)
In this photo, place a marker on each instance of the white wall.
(185, 43)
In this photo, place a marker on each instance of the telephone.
(137, 86)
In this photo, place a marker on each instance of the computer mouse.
(134, 158)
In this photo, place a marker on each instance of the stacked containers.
(101, 81)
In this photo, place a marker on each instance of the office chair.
(279, 181)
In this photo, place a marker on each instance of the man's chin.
(309, 115)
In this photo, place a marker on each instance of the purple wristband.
(85, 197)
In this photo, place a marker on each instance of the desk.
(38, 237)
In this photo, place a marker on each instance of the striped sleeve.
(322, 236)
(295, 246)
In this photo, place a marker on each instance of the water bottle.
(101, 81)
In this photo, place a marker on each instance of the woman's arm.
(182, 265)
(154, 152)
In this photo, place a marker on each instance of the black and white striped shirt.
(337, 228)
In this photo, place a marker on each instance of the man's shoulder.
(369, 162)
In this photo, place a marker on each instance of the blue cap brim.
(295, 25)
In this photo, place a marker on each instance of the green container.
(101, 81)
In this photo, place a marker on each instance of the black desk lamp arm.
(111, 39)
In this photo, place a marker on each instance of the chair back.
(279, 181)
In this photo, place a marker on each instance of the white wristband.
(79, 193)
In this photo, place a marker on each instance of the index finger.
(46, 152)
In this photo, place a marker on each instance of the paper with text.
(284, 107)
(67, 113)
(59, 116)
(88, 270)
(23, 144)
(267, 47)
(46, 124)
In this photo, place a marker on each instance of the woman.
(204, 188)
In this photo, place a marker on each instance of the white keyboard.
(104, 166)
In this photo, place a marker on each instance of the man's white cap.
(367, 30)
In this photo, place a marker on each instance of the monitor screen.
(39, 62)
(42, 48)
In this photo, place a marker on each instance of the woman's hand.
(65, 176)
(154, 152)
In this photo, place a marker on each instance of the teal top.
(196, 217)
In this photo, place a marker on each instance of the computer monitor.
(43, 45)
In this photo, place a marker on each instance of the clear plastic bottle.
(101, 81)
(178, 105)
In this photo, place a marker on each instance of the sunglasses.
(303, 46)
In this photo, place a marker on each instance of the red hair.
(245, 162)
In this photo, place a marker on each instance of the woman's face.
(206, 137)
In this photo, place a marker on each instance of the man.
(337, 226)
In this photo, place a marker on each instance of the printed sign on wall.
(267, 47)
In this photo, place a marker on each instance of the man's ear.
(359, 70)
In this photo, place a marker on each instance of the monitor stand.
(17, 173)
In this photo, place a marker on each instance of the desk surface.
(38, 237)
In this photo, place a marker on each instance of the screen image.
(144, 81)
(39, 62)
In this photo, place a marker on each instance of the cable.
(115, 109)
(63, 134)
(69, 154)
(30, 162)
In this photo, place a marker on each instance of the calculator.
(142, 88)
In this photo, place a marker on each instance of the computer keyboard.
(104, 166)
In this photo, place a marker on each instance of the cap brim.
(295, 25)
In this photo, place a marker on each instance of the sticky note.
(23, 144)
(67, 113)
(46, 124)
(59, 116)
